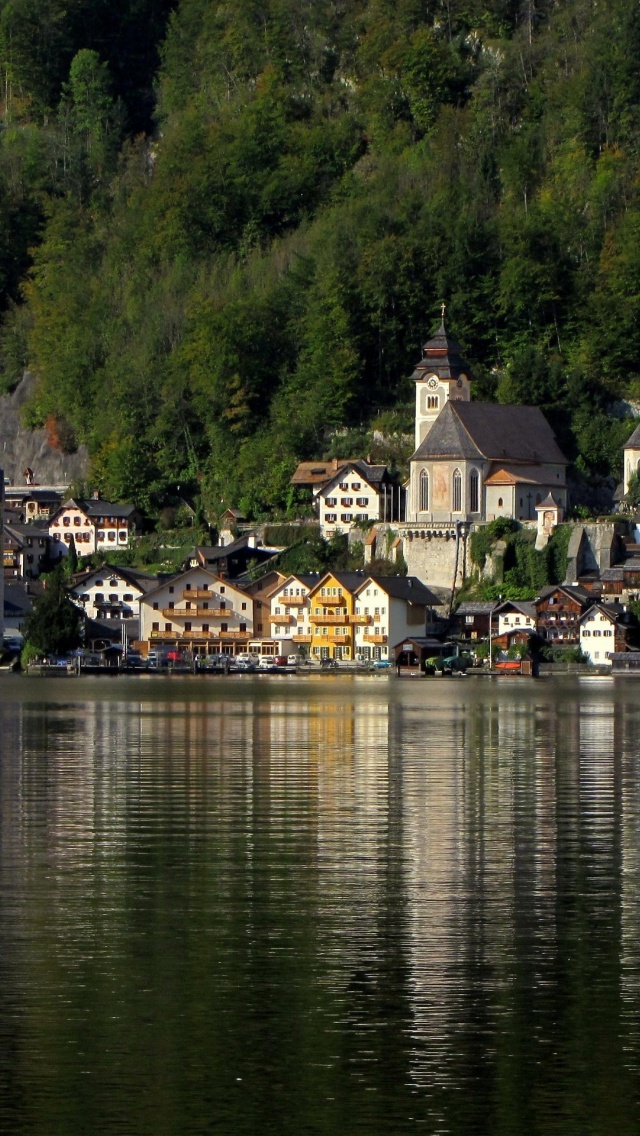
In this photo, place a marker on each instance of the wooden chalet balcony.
(360, 618)
(240, 636)
(282, 619)
(325, 620)
(197, 594)
(344, 639)
(330, 601)
(301, 638)
(292, 601)
(369, 637)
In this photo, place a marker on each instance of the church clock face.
(461, 380)
(432, 383)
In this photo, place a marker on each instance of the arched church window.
(500, 502)
(456, 491)
(432, 402)
(424, 491)
(474, 494)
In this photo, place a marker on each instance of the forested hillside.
(225, 229)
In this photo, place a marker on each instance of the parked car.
(267, 663)
(381, 665)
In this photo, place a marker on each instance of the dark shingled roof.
(633, 443)
(574, 591)
(96, 507)
(479, 607)
(408, 588)
(441, 356)
(475, 430)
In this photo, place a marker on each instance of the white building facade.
(387, 610)
(111, 593)
(199, 612)
(94, 526)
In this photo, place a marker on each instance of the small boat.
(509, 665)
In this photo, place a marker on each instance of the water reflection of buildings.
(456, 846)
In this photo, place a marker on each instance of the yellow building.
(332, 615)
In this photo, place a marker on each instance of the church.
(477, 461)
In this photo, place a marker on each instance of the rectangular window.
(187, 627)
(224, 626)
(167, 627)
(205, 626)
(155, 626)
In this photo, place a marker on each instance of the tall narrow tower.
(441, 375)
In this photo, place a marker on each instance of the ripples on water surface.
(297, 906)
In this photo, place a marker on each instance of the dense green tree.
(54, 625)
(211, 301)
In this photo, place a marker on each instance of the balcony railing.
(301, 638)
(179, 633)
(329, 601)
(325, 620)
(189, 612)
(344, 639)
(284, 619)
(292, 601)
(369, 637)
(198, 594)
(360, 619)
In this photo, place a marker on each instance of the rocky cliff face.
(20, 448)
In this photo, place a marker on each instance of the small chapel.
(476, 461)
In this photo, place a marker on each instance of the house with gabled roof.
(199, 612)
(94, 525)
(558, 611)
(387, 610)
(605, 630)
(357, 493)
(332, 601)
(108, 593)
(25, 550)
(290, 610)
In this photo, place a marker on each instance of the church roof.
(477, 430)
(442, 356)
(633, 442)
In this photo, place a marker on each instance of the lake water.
(280, 906)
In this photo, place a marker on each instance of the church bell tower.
(441, 375)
